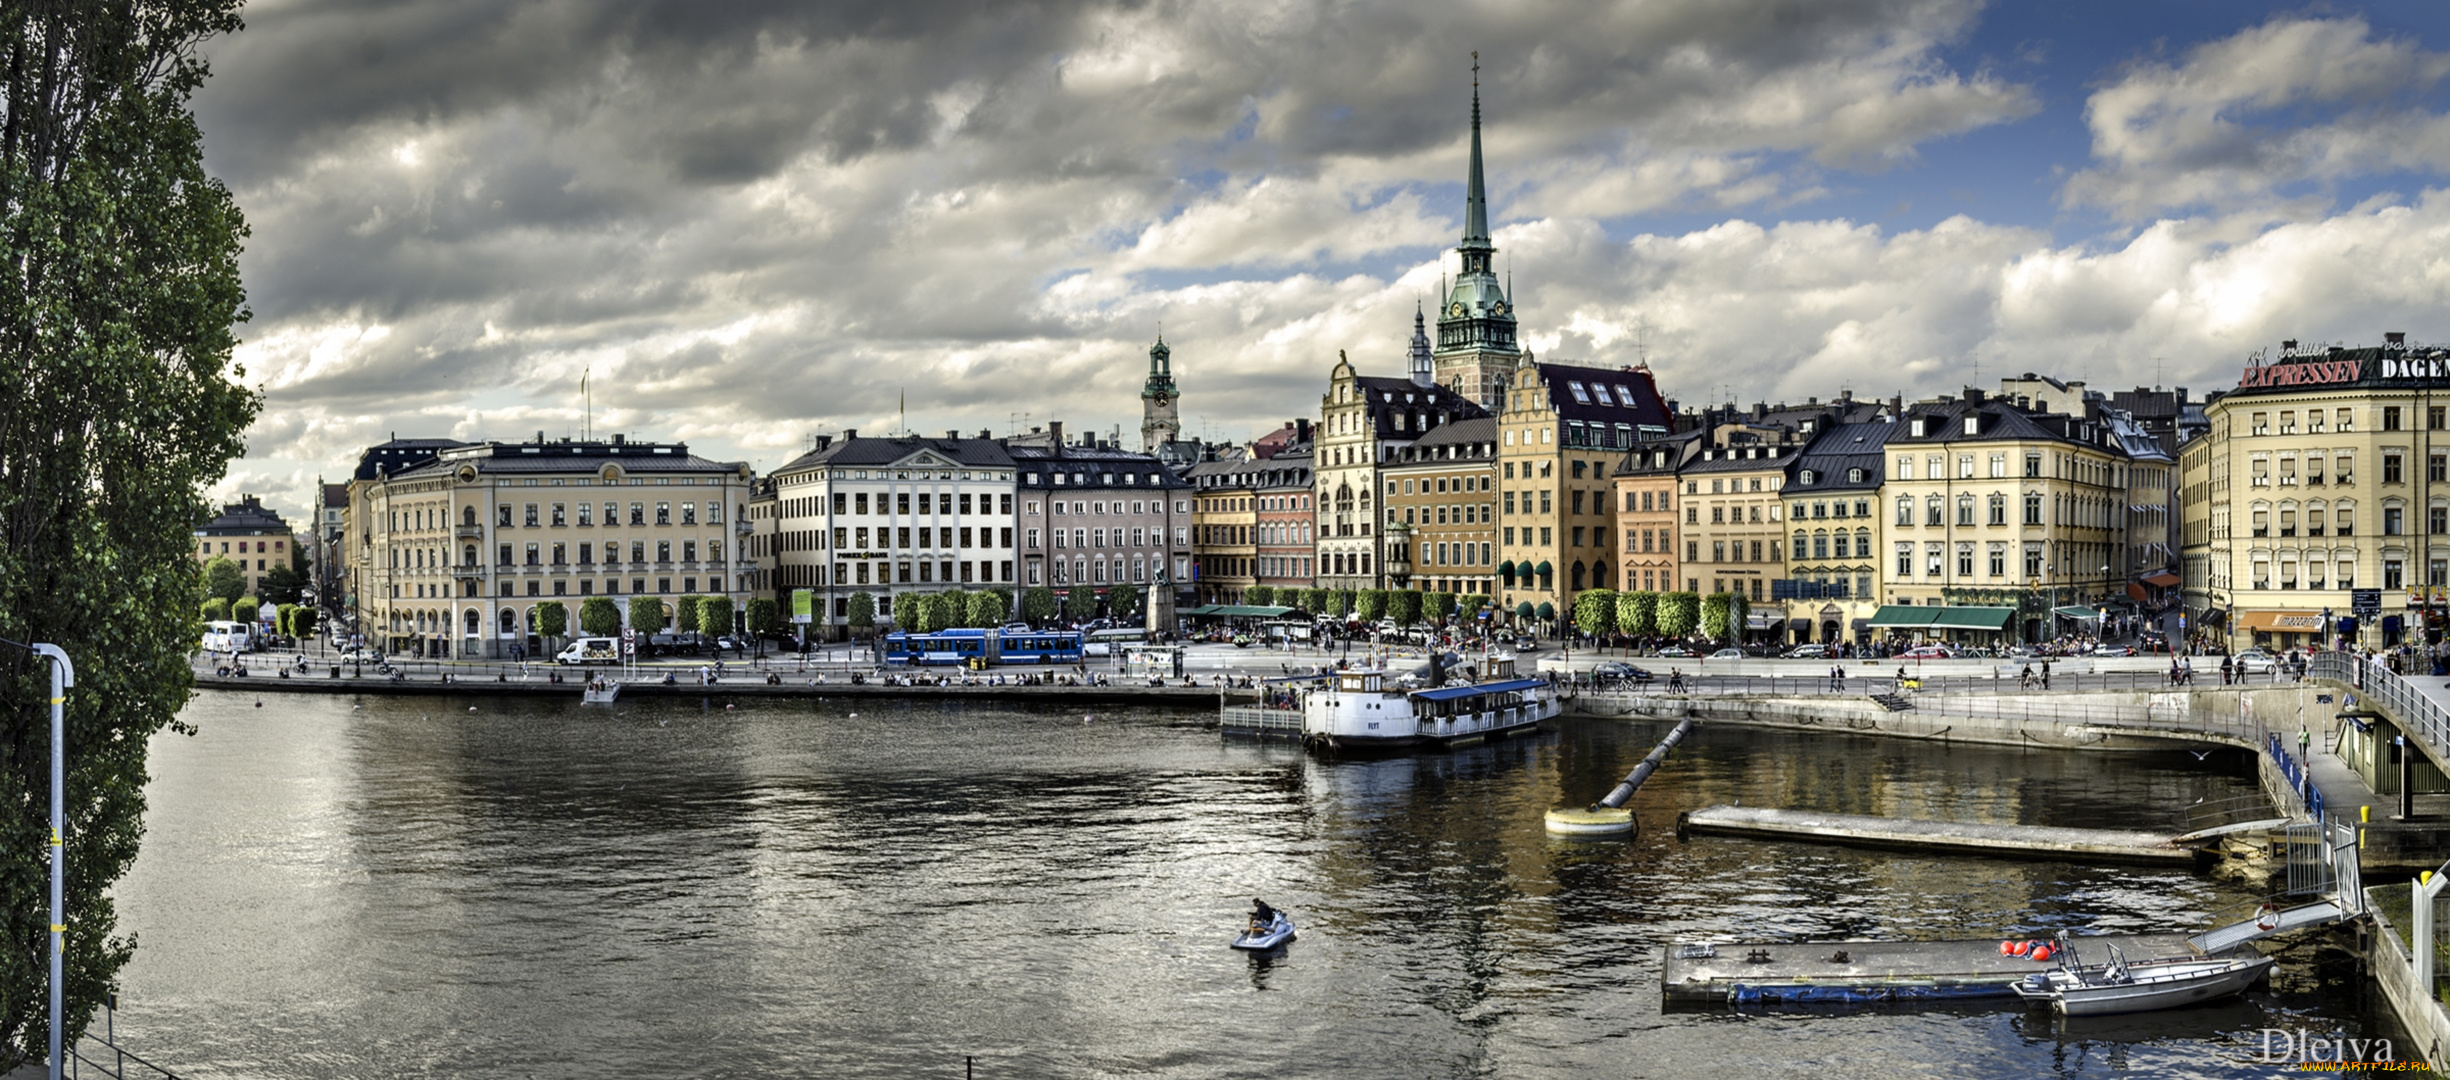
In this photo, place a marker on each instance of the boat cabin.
(1361, 682)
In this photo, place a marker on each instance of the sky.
(746, 223)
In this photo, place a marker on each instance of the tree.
(1260, 595)
(552, 620)
(1714, 616)
(1371, 605)
(859, 612)
(1637, 613)
(215, 610)
(685, 613)
(1441, 606)
(224, 580)
(285, 583)
(1404, 605)
(1314, 601)
(599, 617)
(245, 610)
(646, 617)
(119, 298)
(765, 616)
(1038, 604)
(1595, 611)
(302, 622)
(1080, 602)
(1679, 613)
(1123, 601)
(715, 616)
(987, 609)
(1469, 605)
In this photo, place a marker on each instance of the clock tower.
(1477, 350)
(1160, 400)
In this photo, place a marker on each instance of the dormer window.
(1918, 427)
(1806, 476)
(1854, 476)
(1600, 391)
(1973, 425)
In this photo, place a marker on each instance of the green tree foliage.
(1038, 604)
(215, 610)
(987, 609)
(1080, 602)
(599, 617)
(715, 615)
(1124, 602)
(1259, 595)
(1440, 606)
(302, 622)
(765, 616)
(860, 611)
(247, 609)
(119, 299)
(1371, 605)
(1339, 603)
(1595, 611)
(224, 580)
(1714, 616)
(552, 619)
(285, 583)
(1314, 601)
(685, 613)
(1404, 605)
(646, 617)
(1637, 613)
(1468, 605)
(1679, 613)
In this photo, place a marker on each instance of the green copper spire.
(1476, 193)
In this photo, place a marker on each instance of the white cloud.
(2229, 126)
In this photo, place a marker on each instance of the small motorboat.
(1276, 932)
(601, 692)
(2119, 986)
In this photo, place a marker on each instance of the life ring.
(2267, 919)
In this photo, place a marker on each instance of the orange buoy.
(2007, 948)
(2041, 952)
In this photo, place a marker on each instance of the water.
(406, 887)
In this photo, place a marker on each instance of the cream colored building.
(2325, 471)
(452, 555)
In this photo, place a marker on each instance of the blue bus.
(969, 648)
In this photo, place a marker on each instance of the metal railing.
(2420, 717)
(102, 1056)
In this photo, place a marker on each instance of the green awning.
(1973, 618)
(1546, 569)
(1256, 611)
(1203, 609)
(2072, 612)
(1902, 616)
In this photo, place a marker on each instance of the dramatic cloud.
(746, 223)
(2230, 125)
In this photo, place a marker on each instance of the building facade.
(1562, 433)
(1441, 494)
(1160, 401)
(1363, 421)
(2326, 471)
(1224, 530)
(1286, 519)
(461, 550)
(1834, 536)
(254, 537)
(892, 517)
(1647, 519)
(1734, 528)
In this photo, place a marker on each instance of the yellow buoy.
(1590, 821)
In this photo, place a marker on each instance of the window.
(1965, 463)
(1905, 466)
(559, 518)
(1965, 510)
(2393, 469)
(586, 514)
(1999, 560)
(638, 512)
(2390, 523)
(2347, 422)
(1999, 508)
(1999, 466)
(663, 514)
(531, 515)
(502, 518)
(1931, 510)
(2393, 575)
(2033, 466)
(689, 513)
(1965, 560)
(1905, 510)
(2261, 424)
(2390, 422)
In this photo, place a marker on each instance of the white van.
(591, 650)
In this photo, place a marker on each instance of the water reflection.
(411, 888)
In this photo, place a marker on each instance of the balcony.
(470, 532)
(468, 570)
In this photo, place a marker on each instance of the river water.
(463, 886)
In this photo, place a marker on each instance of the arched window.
(1577, 576)
(510, 621)
(472, 623)
(1965, 509)
(1863, 543)
(1932, 511)
(1599, 576)
(467, 515)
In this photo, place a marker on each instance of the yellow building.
(255, 538)
(2326, 471)
(1734, 524)
(1441, 494)
(2012, 519)
(1224, 529)
(451, 555)
(1560, 437)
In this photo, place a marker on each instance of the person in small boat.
(1262, 916)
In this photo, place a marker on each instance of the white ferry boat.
(1372, 709)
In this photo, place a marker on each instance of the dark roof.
(246, 517)
(1999, 421)
(1750, 457)
(1284, 472)
(335, 495)
(400, 454)
(1385, 397)
(1643, 460)
(1476, 437)
(976, 453)
(570, 455)
(1837, 450)
(1031, 462)
(1647, 408)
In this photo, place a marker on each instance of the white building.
(892, 517)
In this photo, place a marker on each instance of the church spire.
(1476, 191)
(1424, 364)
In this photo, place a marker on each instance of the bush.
(715, 616)
(860, 611)
(1405, 606)
(646, 616)
(765, 616)
(246, 609)
(1441, 605)
(1260, 595)
(987, 609)
(302, 622)
(216, 610)
(599, 617)
(685, 612)
(1637, 613)
(1679, 613)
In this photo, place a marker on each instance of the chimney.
(1760, 410)
(2288, 345)
(953, 434)
(2181, 395)
(849, 433)
(1973, 395)
(620, 439)
(1301, 429)
(985, 433)
(2395, 337)
(1054, 432)
(823, 441)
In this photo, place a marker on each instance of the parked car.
(1927, 652)
(1728, 654)
(360, 654)
(1676, 651)
(1814, 651)
(1620, 672)
(2113, 650)
(2255, 661)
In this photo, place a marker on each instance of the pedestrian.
(2305, 741)
(2045, 674)
(1841, 678)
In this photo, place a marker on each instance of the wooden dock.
(1872, 972)
(2081, 845)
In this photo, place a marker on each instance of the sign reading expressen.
(2333, 372)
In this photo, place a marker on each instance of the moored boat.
(2077, 989)
(1368, 708)
(601, 691)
